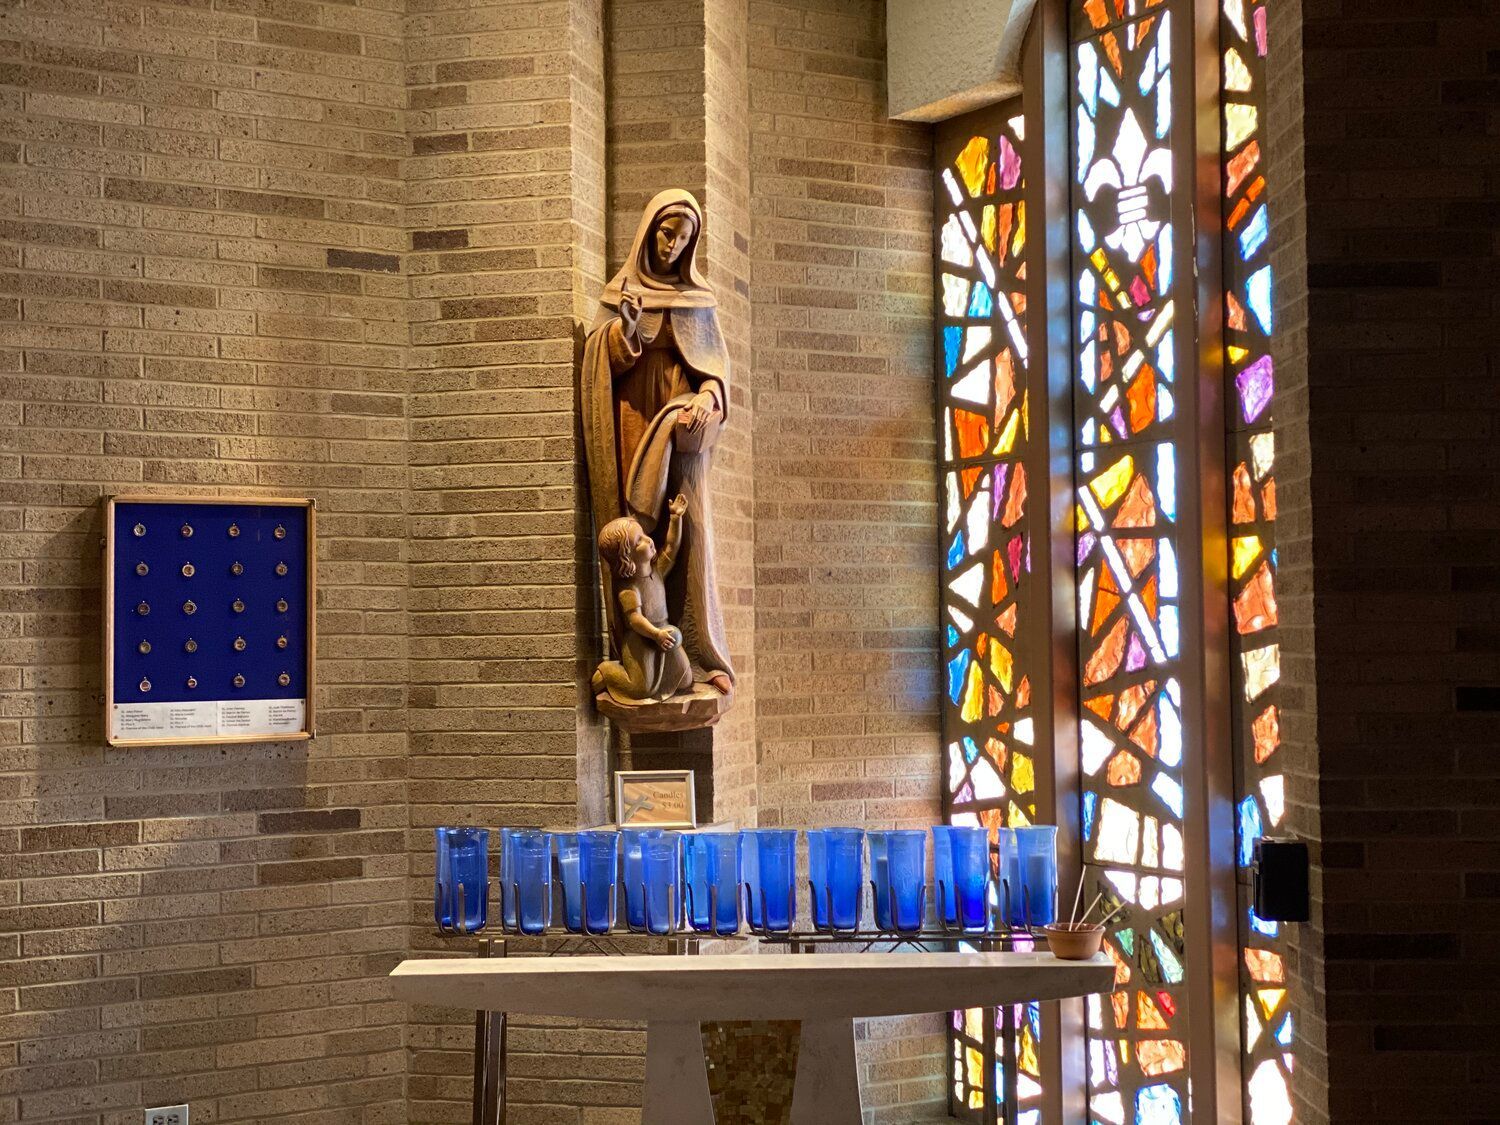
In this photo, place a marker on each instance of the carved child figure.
(652, 662)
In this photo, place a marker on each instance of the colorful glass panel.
(993, 620)
(1128, 287)
(1132, 279)
(1255, 655)
(987, 595)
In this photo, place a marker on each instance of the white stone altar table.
(674, 995)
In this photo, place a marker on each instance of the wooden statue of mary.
(655, 396)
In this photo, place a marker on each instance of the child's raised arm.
(668, 557)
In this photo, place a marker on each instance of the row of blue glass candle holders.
(717, 881)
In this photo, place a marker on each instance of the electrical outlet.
(167, 1115)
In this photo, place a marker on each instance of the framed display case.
(655, 799)
(209, 622)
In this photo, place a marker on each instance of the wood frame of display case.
(107, 632)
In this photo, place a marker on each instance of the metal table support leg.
(489, 1053)
(489, 1030)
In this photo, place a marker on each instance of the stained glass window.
(1136, 440)
(986, 432)
(990, 610)
(1255, 656)
(1130, 292)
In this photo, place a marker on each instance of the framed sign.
(655, 799)
(209, 628)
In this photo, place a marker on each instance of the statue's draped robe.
(632, 394)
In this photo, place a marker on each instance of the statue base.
(703, 706)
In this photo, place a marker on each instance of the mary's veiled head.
(673, 232)
(663, 270)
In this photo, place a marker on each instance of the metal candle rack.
(461, 925)
(995, 933)
(678, 918)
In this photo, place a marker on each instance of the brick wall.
(737, 476)
(677, 91)
(1387, 352)
(339, 250)
(1294, 571)
(845, 457)
(505, 197)
(200, 236)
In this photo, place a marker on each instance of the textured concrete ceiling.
(945, 57)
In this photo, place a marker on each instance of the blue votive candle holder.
(570, 875)
(1009, 889)
(880, 877)
(598, 864)
(713, 881)
(942, 874)
(661, 870)
(906, 851)
(970, 868)
(1036, 859)
(817, 876)
(533, 879)
(750, 879)
(508, 878)
(461, 882)
(835, 867)
(777, 855)
(633, 875)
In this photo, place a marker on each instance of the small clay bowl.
(1075, 941)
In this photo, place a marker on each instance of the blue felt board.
(213, 589)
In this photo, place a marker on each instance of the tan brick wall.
(656, 79)
(339, 250)
(736, 475)
(200, 236)
(505, 194)
(845, 457)
(1294, 569)
(1387, 357)
(677, 91)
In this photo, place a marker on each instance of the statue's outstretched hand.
(630, 310)
(678, 505)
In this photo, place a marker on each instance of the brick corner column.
(678, 102)
(1386, 361)
(505, 211)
